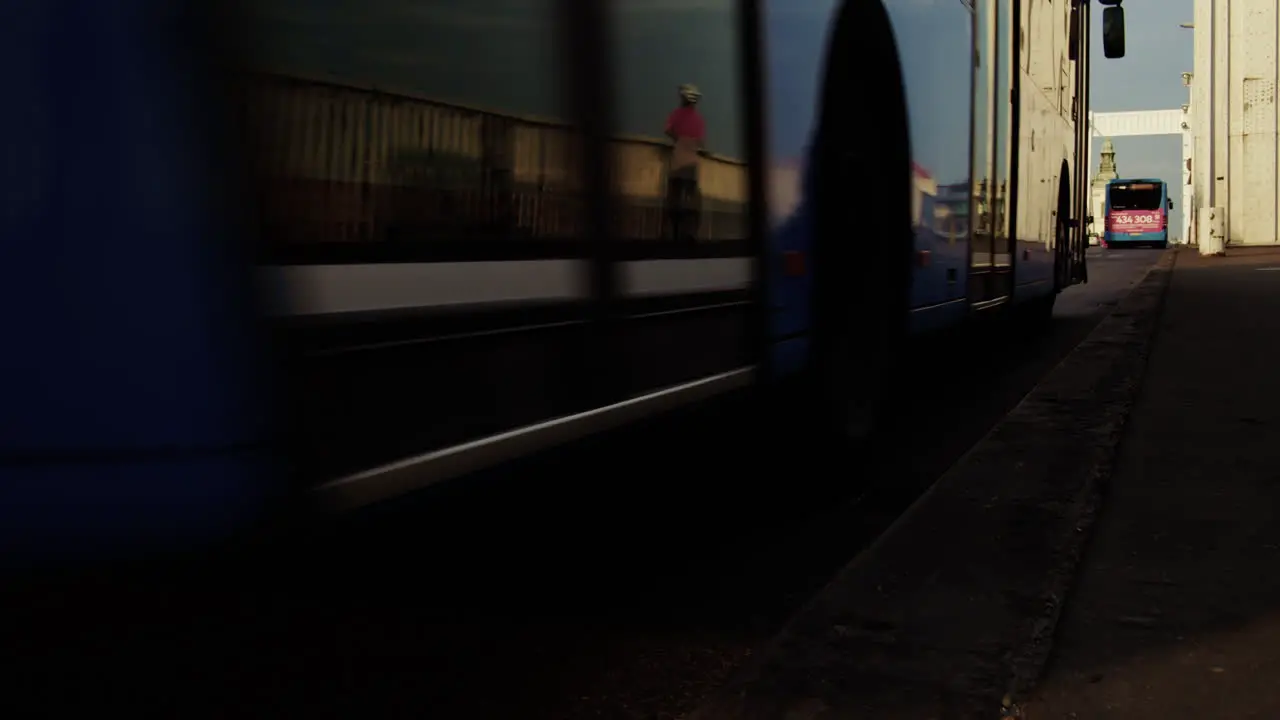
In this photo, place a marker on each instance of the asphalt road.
(1110, 273)
(624, 579)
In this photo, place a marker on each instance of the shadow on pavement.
(1176, 612)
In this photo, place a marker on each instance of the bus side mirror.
(1113, 32)
(1088, 219)
(1170, 203)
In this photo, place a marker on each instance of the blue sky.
(1149, 77)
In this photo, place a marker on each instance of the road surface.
(1110, 272)
(1173, 613)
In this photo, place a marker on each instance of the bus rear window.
(1144, 196)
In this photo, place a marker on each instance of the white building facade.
(1235, 176)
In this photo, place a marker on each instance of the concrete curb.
(1138, 318)
(953, 608)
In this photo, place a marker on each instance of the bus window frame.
(751, 76)
(588, 67)
(586, 28)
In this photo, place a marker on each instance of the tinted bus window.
(680, 154)
(421, 212)
(680, 192)
(1146, 196)
(392, 121)
(133, 418)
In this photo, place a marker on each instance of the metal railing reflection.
(336, 163)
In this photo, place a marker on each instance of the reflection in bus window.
(408, 122)
(1002, 246)
(679, 157)
(1137, 196)
(985, 191)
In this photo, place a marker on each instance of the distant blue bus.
(1137, 213)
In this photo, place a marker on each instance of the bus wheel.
(862, 231)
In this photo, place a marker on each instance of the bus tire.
(862, 232)
(1062, 231)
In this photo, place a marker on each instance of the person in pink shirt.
(687, 131)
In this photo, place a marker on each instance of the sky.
(1149, 77)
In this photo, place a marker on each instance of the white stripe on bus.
(326, 289)
(670, 277)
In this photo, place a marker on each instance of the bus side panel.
(1046, 139)
(134, 415)
(795, 40)
(935, 43)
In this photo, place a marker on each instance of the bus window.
(986, 191)
(394, 125)
(680, 159)
(1138, 196)
(421, 212)
(681, 192)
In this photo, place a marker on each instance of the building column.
(1202, 104)
(1188, 160)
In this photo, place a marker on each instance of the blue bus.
(1137, 213)
(408, 240)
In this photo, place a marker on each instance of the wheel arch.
(1062, 233)
(862, 239)
(863, 38)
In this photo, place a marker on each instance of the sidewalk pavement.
(1109, 550)
(1176, 608)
